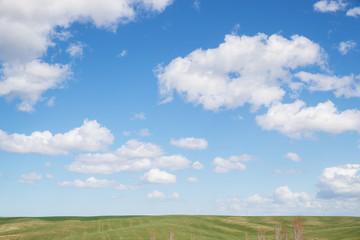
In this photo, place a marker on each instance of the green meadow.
(183, 227)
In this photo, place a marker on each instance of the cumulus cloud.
(30, 178)
(197, 165)
(223, 165)
(190, 143)
(161, 196)
(293, 156)
(353, 12)
(173, 162)
(296, 120)
(91, 136)
(282, 201)
(340, 181)
(132, 156)
(329, 5)
(345, 47)
(75, 49)
(156, 176)
(347, 86)
(28, 81)
(93, 182)
(243, 69)
(30, 27)
(144, 132)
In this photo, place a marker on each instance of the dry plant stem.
(285, 234)
(246, 236)
(277, 230)
(298, 229)
(171, 234)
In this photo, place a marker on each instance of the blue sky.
(127, 107)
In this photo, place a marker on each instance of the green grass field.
(201, 227)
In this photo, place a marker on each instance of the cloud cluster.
(243, 69)
(296, 120)
(223, 165)
(340, 181)
(91, 136)
(93, 182)
(190, 143)
(293, 156)
(134, 155)
(329, 5)
(30, 27)
(30, 178)
(345, 47)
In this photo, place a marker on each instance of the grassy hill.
(201, 227)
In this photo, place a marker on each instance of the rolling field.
(201, 227)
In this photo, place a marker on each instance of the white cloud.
(139, 115)
(282, 201)
(144, 132)
(340, 181)
(345, 47)
(192, 180)
(132, 156)
(156, 176)
(76, 49)
(126, 133)
(347, 86)
(241, 70)
(173, 162)
(93, 182)
(29, 81)
(51, 102)
(30, 178)
(156, 5)
(293, 156)
(197, 165)
(190, 143)
(329, 5)
(353, 12)
(296, 120)
(29, 27)
(223, 165)
(161, 196)
(91, 136)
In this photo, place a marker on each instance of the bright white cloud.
(91, 136)
(340, 181)
(353, 12)
(197, 165)
(347, 86)
(93, 182)
(30, 178)
(243, 69)
(161, 196)
(122, 54)
(29, 81)
(345, 47)
(132, 156)
(192, 180)
(156, 176)
(223, 165)
(329, 5)
(190, 143)
(29, 27)
(293, 156)
(76, 49)
(296, 120)
(173, 162)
